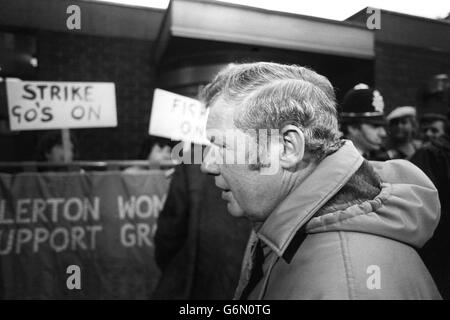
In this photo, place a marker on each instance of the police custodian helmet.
(362, 104)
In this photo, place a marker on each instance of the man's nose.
(209, 165)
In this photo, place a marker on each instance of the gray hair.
(273, 95)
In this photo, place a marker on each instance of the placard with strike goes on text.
(178, 118)
(41, 105)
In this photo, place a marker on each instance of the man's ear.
(293, 142)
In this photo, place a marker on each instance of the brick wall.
(402, 72)
(126, 62)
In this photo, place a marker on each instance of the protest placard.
(38, 105)
(178, 117)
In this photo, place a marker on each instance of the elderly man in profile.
(327, 224)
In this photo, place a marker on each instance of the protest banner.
(178, 117)
(101, 222)
(38, 105)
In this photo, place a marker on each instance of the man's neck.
(361, 150)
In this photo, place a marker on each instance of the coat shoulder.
(350, 265)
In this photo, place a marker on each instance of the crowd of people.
(379, 136)
(404, 134)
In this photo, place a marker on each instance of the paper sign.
(38, 105)
(178, 117)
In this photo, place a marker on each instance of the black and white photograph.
(212, 153)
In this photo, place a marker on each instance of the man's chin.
(235, 210)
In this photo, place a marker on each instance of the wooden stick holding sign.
(66, 144)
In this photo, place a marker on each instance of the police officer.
(363, 121)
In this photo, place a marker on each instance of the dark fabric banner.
(79, 235)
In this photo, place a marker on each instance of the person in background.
(156, 150)
(402, 129)
(434, 159)
(433, 126)
(363, 122)
(50, 148)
